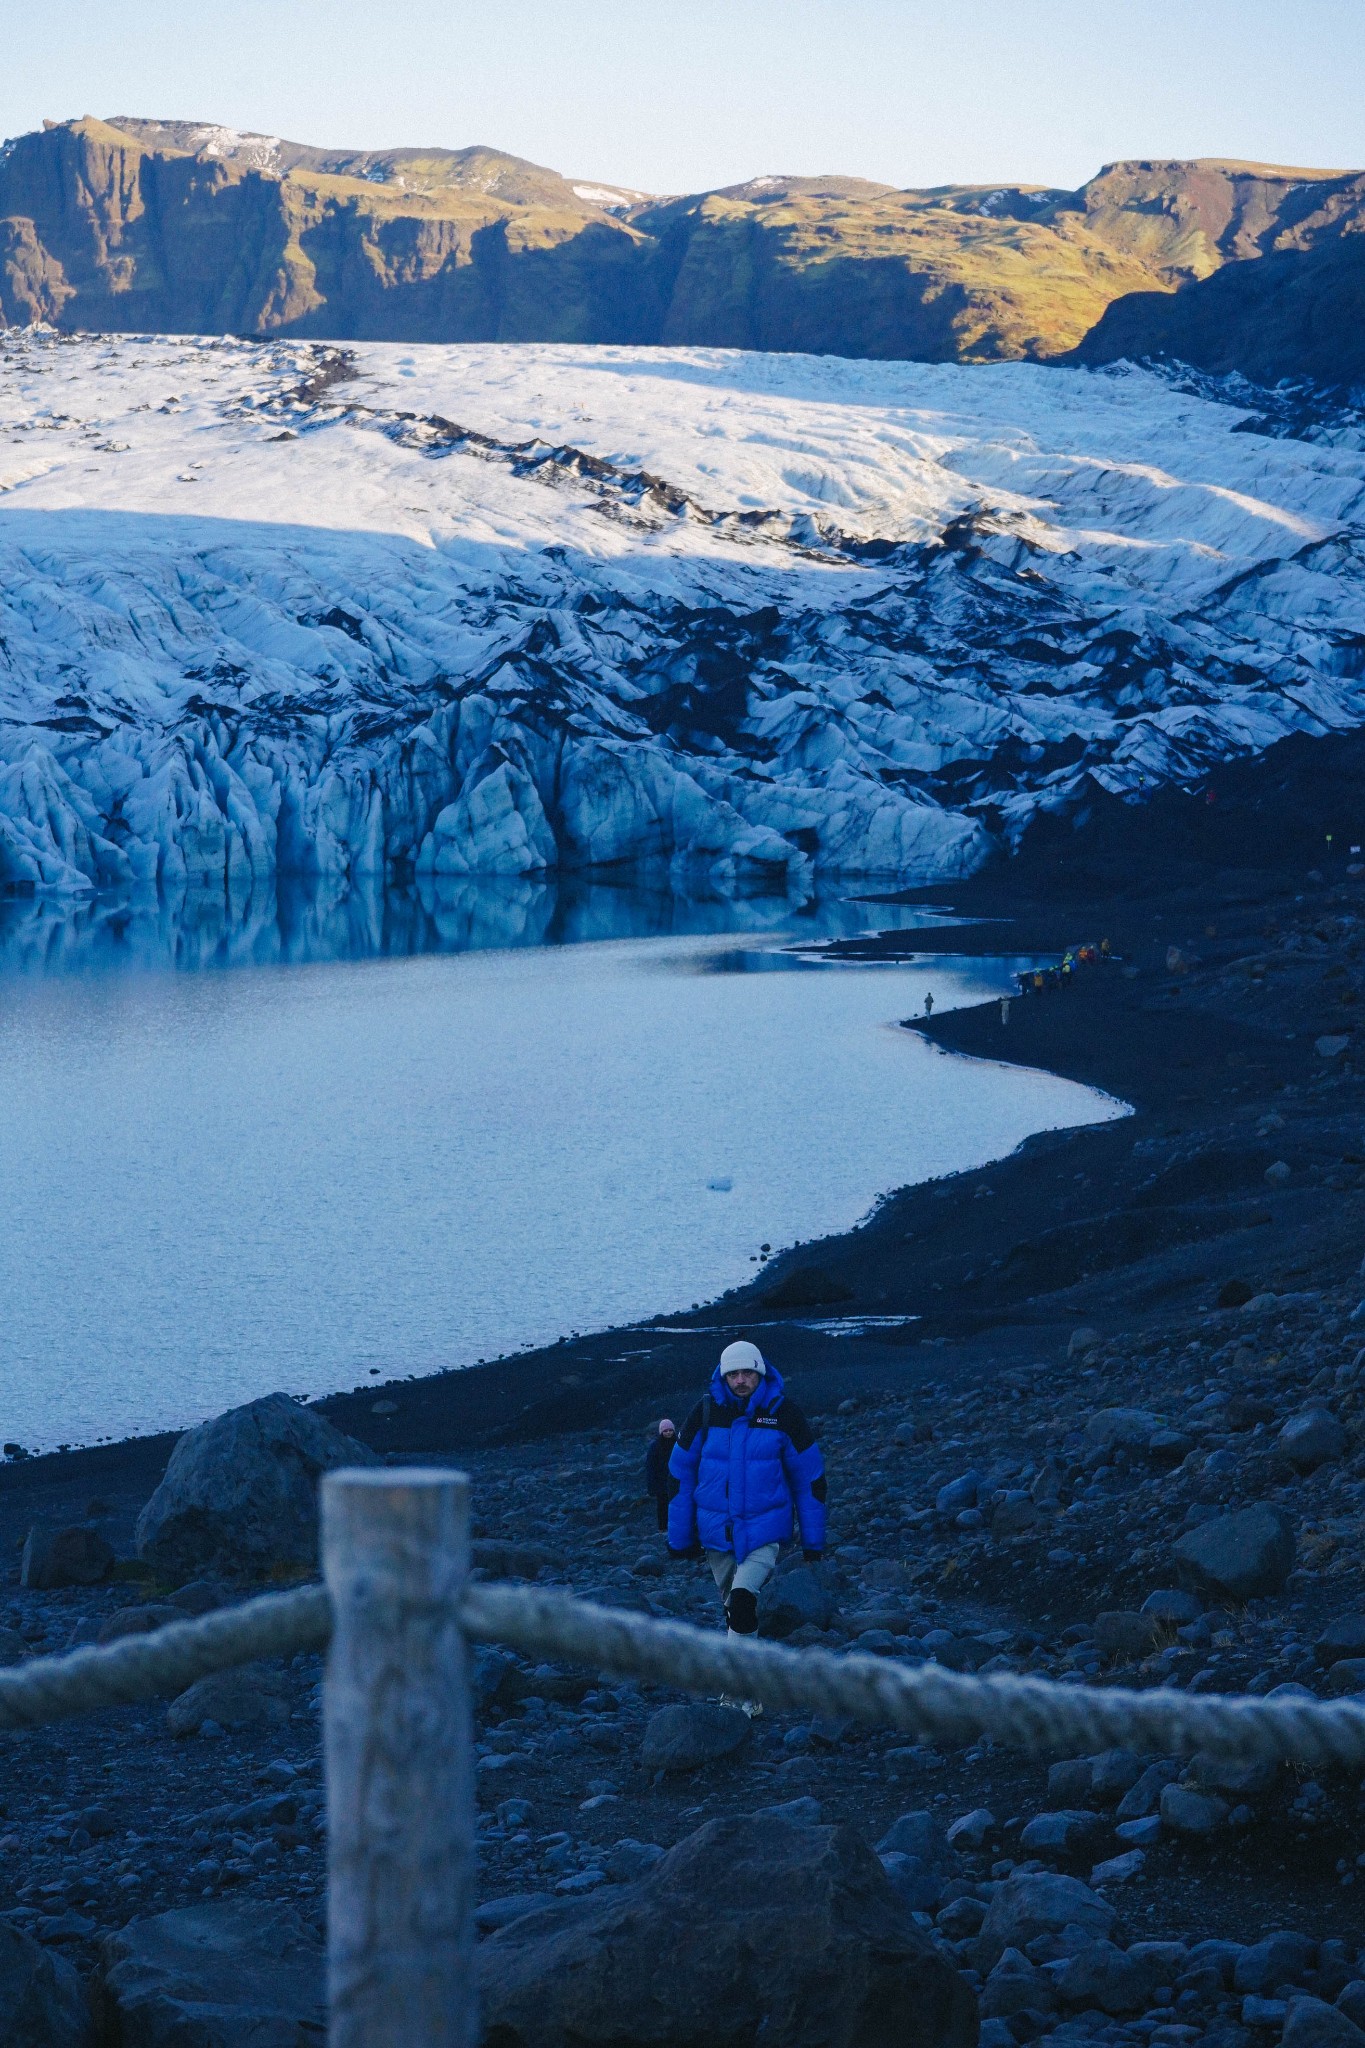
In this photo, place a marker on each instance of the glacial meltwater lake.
(275, 1147)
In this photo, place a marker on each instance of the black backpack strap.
(705, 1417)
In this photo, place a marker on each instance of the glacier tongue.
(506, 611)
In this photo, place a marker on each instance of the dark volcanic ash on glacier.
(505, 610)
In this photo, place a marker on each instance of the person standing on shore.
(747, 1477)
(656, 1468)
(929, 1002)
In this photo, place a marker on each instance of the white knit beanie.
(742, 1357)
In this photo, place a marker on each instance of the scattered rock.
(138, 1621)
(1039, 1902)
(1311, 1439)
(1123, 1634)
(1069, 1782)
(1101, 1974)
(958, 1494)
(1278, 1959)
(1244, 1411)
(240, 1492)
(1309, 2023)
(234, 1699)
(813, 1949)
(64, 1557)
(1109, 1427)
(1145, 1796)
(1113, 1773)
(1277, 1173)
(230, 1975)
(974, 1829)
(918, 1859)
(1015, 1517)
(1246, 1554)
(1351, 2001)
(1187, 1812)
(1344, 1637)
(685, 1736)
(1082, 1340)
(1212, 1772)
(512, 1560)
(798, 1598)
(628, 1860)
(42, 2000)
(1016, 1985)
(1067, 1833)
(1173, 1606)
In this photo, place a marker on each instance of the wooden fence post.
(398, 1747)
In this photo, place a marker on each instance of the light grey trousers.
(749, 1577)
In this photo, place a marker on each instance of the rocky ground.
(1127, 1336)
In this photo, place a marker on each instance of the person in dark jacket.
(747, 1477)
(656, 1468)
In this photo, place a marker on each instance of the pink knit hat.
(666, 1424)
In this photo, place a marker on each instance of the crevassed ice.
(512, 610)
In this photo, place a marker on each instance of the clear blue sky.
(674, 95)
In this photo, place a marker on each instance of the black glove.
(813, 1556)
(682, 1556)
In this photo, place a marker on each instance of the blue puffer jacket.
(754, 1476)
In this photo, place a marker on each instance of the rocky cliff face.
(138, 226)
(1296, 313)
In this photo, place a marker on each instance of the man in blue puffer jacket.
(746, 1476)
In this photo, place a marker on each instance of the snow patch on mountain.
(507, 610)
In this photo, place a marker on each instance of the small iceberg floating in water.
(720, 1183)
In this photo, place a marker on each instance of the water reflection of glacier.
(337, 1155)
(296, 921)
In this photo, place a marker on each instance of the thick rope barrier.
(922, 1700)
(166, 1660)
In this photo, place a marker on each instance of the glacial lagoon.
(283, 1145)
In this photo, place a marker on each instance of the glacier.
(519, 611)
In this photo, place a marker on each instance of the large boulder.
(1034, 1903)
(233, 1975)
(691, 1733)
(1312, 1438)
(751, 1927)
(1103, 1975)
(1344, 1637)
(240, 1492)
(1309, 2023)
(1108, 1428)
(42, 2000)
(1246, 1555)
(64, 1557)
(243, 1698)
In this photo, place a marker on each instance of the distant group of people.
(742, 1477)
(1041, 981)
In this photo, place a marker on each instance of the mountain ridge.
(139, 225)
